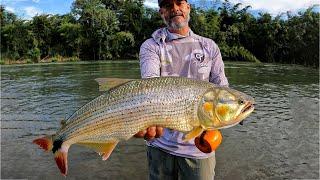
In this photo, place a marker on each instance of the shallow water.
(280, 140)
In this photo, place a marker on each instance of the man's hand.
(150, 133)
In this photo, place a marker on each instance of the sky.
(26, 9)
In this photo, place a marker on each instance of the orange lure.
(208, 141)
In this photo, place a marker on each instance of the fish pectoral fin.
(104, 149)
(108, 83)
(194, 133)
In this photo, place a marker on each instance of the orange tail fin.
(44, 143)
(59, 150)
(61, 158)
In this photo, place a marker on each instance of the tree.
(72, 37)
(99, 24)
(108, 29)
(42, 29)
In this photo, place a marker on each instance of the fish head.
(222, 107)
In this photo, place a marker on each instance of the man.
(177, 51)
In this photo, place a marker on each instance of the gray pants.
(164, 166)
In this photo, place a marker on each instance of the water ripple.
(279, 140)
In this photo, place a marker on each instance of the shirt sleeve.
(217, 74)
(149, 59)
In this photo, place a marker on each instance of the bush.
(14, 56)
(29, 61)
(34, 54)
(122, 44)
(237, 53)
(56, 58)
(73, 59)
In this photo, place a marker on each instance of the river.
(280, 140)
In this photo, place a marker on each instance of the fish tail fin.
(59, 149)
(61, 156)
(45, 143)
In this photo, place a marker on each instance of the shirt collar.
(173, 36)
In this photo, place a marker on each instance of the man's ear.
(189, 6)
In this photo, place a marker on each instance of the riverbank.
(7, 61)
(72, 60)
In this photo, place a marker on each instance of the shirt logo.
(199, 57)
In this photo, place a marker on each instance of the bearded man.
(176, 51)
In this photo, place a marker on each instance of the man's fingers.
(151, 133)
(159, 131)
(140, 134)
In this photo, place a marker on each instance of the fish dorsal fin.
(194, 133)
(104, 149)
(108, 83)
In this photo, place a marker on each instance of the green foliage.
(122, 43)
(59, 58)
(205, 23)
(73, 59)
(29, 61)
(112, 29)
(71, 37)
(6, 17)
(56, 58)
(34, 54)
(43, 33)
(236, 53)
(99, 23)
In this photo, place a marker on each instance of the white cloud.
(151, 3)
(36, 1)
(275, 7)
(31, 11)
(10, 9)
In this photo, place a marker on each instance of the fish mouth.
(246, 111)
(249, 107)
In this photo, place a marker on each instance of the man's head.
(175, 13)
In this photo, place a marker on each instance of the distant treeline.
(113, 29)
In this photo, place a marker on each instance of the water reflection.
(279, 140)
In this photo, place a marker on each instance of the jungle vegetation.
(114, 30)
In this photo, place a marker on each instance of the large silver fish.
(183, 104)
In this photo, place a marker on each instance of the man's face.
(175, 13)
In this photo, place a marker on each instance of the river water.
(280, 140)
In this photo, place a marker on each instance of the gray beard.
(176, 26)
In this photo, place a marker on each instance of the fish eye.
(241, 101)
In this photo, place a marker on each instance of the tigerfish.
(187, 105)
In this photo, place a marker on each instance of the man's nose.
(175, 7)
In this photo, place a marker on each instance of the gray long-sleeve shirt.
(192, 56)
